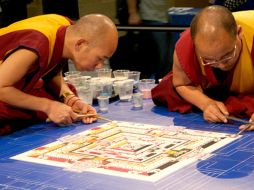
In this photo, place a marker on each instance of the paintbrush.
(238, 119)
(80, 116)
(91, 115)
(94, 115)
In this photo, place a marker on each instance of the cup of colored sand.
(145, 86)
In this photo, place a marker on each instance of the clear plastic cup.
(85, 93)
(125, 89)
(96, 86)
(107, 87)
(145, 86)
(104, 73)
(72, 73)
(137, 100)
(135, 75)
(78, 80)
(103, 102)
(102, 85)
(121, 74)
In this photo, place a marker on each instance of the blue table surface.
(231, 167)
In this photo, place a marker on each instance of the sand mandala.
(131, 150)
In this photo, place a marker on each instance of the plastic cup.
(135, 75)
(137, 100)
(96, 86)
(125, 89)
(145, 86)
(115, 88)
(121, 74)
(72, 73)
(85, 93)
(107, 87)
(78, 80)
(103, 102)
(104, 73)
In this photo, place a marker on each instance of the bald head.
(90, 41)
(94, 27)
(212, 20)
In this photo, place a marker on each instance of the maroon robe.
(164, 94)
(12, 118)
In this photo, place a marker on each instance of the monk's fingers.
(222, 108)
(89, 119)
(221, 111)
(213, 114)
(64, 119)
(251, 128)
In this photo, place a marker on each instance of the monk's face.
(93, 56)
(222, 51)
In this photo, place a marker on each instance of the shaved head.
(212, 20)
(95, 27)
(90, 41)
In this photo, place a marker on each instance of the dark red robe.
(50, 63)
(164, 94)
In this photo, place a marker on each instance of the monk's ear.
(80, 44)
(239, 32)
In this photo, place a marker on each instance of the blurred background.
(149, 51)
(107, 7)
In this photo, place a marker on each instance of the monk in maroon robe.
(213, 67)
(32, 55)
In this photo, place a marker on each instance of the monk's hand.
(60, 113)
(83, 108)
(251, 128)
(215, 111)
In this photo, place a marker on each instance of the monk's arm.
(194, 94)
(12, 70)
(191, 93)
(60, 87)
